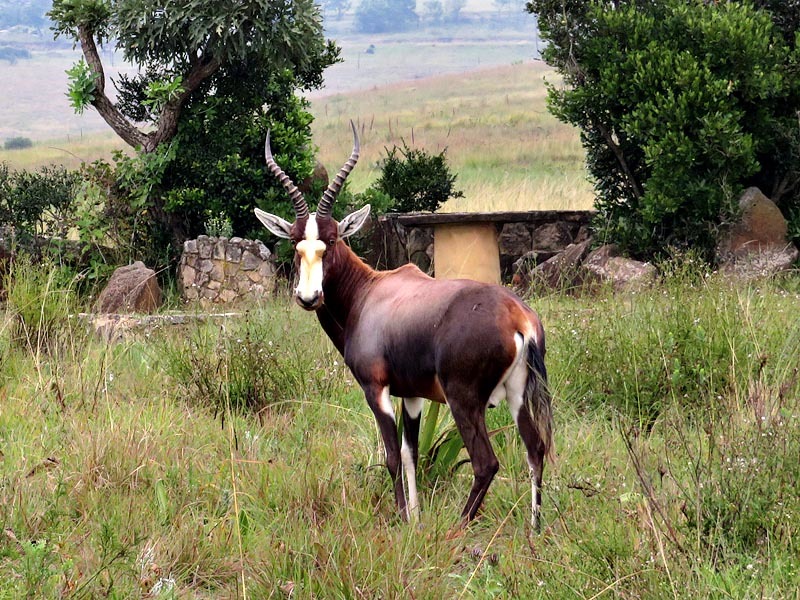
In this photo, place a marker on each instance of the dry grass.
(508, 151)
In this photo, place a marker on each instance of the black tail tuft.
(537, 395)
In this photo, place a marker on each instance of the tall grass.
(508, 151)
(675, 474)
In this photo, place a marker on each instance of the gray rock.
(624, 274)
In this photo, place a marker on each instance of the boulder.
(761, 227)
(756, 246)
(758, 265)
(132, 288)
(624, 274)
(562, 271)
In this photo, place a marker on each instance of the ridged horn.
(326, 204)
(300, 205)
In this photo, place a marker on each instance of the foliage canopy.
(680, 105)
(213, 77)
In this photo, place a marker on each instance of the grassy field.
(509, 153)
(137, 470)
(474, 91)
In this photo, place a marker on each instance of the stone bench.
(481, 246)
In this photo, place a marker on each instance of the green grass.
(120, 474)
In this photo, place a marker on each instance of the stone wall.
(220, 270)
(538, 235)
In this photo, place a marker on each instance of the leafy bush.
(219, 226)
(17, 143)
(681, 105)
(146, 205)
(37, 203)
(416, 180)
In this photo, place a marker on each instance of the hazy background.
(33, 100)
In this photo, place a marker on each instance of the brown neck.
(345, 284)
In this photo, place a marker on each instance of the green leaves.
(160, 92)
(681, 105)
(70, 15)
(82, 86)
(417, 180)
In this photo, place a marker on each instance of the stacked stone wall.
(220, 270)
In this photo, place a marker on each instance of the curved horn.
(326, 204)
(300, 205)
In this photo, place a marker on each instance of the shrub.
(416, 180)
(219, 226)
(37, 203)
(17, 143)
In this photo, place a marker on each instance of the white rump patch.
(414, 406)
(512, 384)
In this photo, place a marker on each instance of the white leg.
(413, 410)
(535, 501)
(411, 481)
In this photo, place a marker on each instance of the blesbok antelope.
(404, 334)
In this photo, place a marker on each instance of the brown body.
(404, 334)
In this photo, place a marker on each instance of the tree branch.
(620, 156)
(110, 113)
(167, 125)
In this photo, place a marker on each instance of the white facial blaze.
(310, 250)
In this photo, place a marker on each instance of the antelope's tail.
(537, 395)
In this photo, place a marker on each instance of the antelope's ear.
(275, 224)
(353, 222)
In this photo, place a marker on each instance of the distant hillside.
(36, 106)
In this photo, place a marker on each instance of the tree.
(385, 16)
(214, 76)
(680, 106)
(184, 48)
